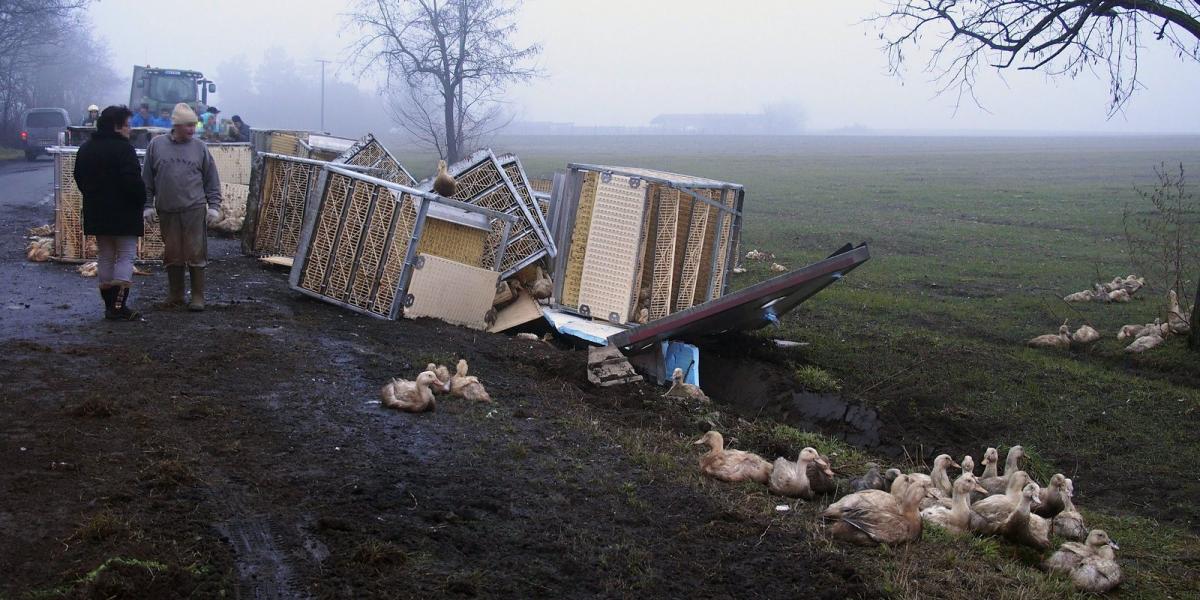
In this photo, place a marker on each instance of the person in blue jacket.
(142, 118)
(163, 119)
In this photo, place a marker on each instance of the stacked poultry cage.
(500, 184)
(70, 243)
(642, 244)
(388, 250)
(280, 190)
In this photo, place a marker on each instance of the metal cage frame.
(566, 192)
(362, 147)
(422, 200)
(254, 200)
(518, 205)
(149, 246)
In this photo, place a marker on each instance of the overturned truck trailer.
(647, 256)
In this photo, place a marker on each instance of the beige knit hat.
(183, 115)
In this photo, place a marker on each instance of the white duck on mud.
(410, 396)
(731, 465)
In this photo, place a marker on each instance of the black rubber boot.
(197, 302)
(109, 294)
(174, 286)
(121, 310)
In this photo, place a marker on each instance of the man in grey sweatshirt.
(183, 192)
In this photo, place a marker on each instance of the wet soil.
(239, 453)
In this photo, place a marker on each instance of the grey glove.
(214, 215)
(150, 215)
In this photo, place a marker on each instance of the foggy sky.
(621, 62)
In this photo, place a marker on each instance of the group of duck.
(1142, 337)
(893, 507)
(759, 255)
(41, 244)
(420, 394)
(1118, 290)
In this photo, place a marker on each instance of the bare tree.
(1057, 37)
(34, 67)
(1164, 236)
(456, 59)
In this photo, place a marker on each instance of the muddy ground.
(237, 453)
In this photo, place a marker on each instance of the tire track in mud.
(264, 570)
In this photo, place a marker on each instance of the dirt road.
(238, 453)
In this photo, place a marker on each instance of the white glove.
(150, 216)
(214, 215)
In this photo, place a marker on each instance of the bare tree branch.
(1059, 37)
(455, 59)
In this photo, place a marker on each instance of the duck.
(42, 230)
(1052, 497)
(993, 511)
(999, 484)
(901, 484)
(890, 476)
(1092, 565)
(466, 386)
(410, 396)
(1084, 296)
(1062, 339)
(682, 389)
(820, 476)
(39, 250)
(967, 464)
(443, 183)
(1119, 296)
(1085, 336)
(1177, 320)
(542, 287)
(1130, 331)
(778, 268)
(1069, 523)
(990, 458)
(731, 465)
(1132, 284)
(88, 269)
(1144, 343)
(443, 377)
(1024, 527)
(757, 255)
(871, 480)
(790, 478)
(937, 481)
(954, 516)
(874, 517)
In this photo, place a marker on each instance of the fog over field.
(623, 62)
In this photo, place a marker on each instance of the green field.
(973, 241)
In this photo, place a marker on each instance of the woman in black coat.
(109, 176)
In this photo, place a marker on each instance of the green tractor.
(164, 88)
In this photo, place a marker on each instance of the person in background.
(93, 113)
(243, 129)
(183, 191)
(211, 122)
(109, 177)
(163, 119)
(143, 116)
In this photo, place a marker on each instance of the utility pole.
(323, 63)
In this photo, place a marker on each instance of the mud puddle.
(754, 389)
